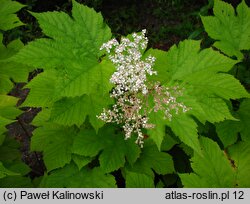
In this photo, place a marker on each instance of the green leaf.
(222, 85)
(18, 72)
(42, 90)
(228, 131)
(244, 114)
(168, 142)
(163, 74)
(152, 159)
(11, 70)
(158, 132)
(70, 111)
(74, 79)
(137, 180)
(114, 148)
(94, 178)
(113, 156)
(87, 143)
(8, 18)
(187, 61)
(213, 169)
(215, 109)
(5, 172)
(240, 154)
(88, 81)
(186, 129)
(3, 123)
(81, 161)
(73, 111)
(200, 74)
(9, 150)
(19, 167)
(72, 177)
(55, 141)
(75, 41)
(42, 117)
(16, 182)
(8, 108)
(193, 181)
(231, 32)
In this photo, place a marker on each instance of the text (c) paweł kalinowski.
(64, 195)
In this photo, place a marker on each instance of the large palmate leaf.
(75, 41)
(8, 18)
(201, 74)
(240, 155)
(72, 177)
(115, 150)
(77, 49)
(213, 169)
(231, 32)
(55, 142)
(75, 83)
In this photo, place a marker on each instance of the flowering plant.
(132, 90)
(180, 100)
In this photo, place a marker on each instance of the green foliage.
(152, 159)
(11, 71)
(5, 172)
(12, 169)
(228, 130)
(202, 74)
(8, 18)
(55, 142)
(210, 170)
(8, 113)
(79, 150)
(74, 76)
(231, 32)
(136, 180)
(115, 150)
(74, 178)
(239, 153)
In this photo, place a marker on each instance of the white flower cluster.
(131, 89)
(131, 69)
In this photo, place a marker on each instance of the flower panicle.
(132, 90)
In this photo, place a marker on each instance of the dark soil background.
(167, 22)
